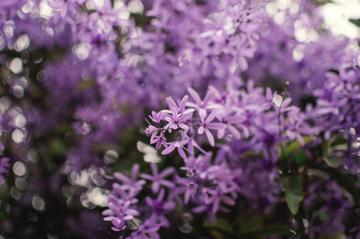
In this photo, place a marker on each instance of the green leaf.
(252, 224)
(331, 154)
(300, 158)
(293, 192)
(2, 215)
(356, 22)
(268, 231)
(333, 162)
(322, 2)
(220, 224)
(57, 148)
(141, 19)
(294, 147)
(337, 235)
(86, 84)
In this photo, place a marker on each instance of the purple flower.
(215, 198)
(119, 213)
(207, 124)
(4, 168)
(156, 117)
(187, 187)
(333, 207)
(179, 145)
(160, 207)
(177, 115)
(147, 230)
(158, 179)
(202, 105)
(158, 140)
(130, 183)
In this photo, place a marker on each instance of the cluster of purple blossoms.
(338, 108)
(232, 141)
(255, 120)
(238, 121)
(143, 217)
(245, 114)
(333, 207)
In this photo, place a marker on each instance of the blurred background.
(44, 198)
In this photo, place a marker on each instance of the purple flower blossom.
(119, 213)
(159, 208)
(131, 184)
(206, 125)
(148, 230)
(241, 115)
(158, 179)
(4, 168)
(177, 115)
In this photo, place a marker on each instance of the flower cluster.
(126, 211)
(251, 109)
(333, 207)
(337, 109)
(264, 119)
